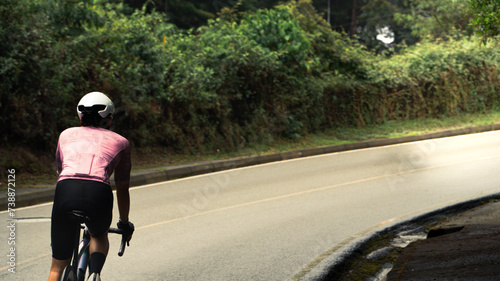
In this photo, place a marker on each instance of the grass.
(152, 157)
(390, 129)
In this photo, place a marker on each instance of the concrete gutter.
(43, 193)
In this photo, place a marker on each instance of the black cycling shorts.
(92, 197)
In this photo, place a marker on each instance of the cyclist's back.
(90, 153)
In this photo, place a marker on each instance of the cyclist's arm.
(58, 159)
(122, 182)
(123, 198)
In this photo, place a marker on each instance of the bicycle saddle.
(79, 216)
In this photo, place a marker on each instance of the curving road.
(278, 221)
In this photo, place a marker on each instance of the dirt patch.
(31, 166)
(467, 249)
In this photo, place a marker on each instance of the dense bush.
(241, 79)
(28, 66)
(439, 79)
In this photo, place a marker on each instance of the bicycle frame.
(83, 255)
(78, 268)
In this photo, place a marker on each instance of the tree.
(485, 17)
(340, 13)
(407, 20)
(71, 17)
(378, 16)
(195, 13)
(436, 18)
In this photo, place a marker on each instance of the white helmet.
(95, 101)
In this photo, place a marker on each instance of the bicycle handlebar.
(125, 235)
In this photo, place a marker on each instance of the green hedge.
(240, 80)
(435, 79)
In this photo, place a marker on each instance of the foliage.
(436, 18)
(189, 14)
(215, 82)
(486, 17)
(126, 60)
(69, 17)
(439, 79)
(278, 31)
(378, 15)
(26, 70)
(242, 79)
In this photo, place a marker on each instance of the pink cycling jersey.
(91, 153)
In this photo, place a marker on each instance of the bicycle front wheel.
(80, 276)
(68, 274)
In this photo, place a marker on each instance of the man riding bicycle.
(86, 157)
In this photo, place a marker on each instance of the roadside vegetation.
(243, 83)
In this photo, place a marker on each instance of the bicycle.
(77, 270)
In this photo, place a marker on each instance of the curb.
(44, 193)
(358, 249)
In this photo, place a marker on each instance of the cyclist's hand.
(128, 227)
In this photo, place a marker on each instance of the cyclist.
(86, 157)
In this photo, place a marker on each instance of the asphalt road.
(278, 221)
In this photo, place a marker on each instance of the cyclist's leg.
(62, 233)
(99, 248)
(95, 199)
(57, 268)
(100, 219)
